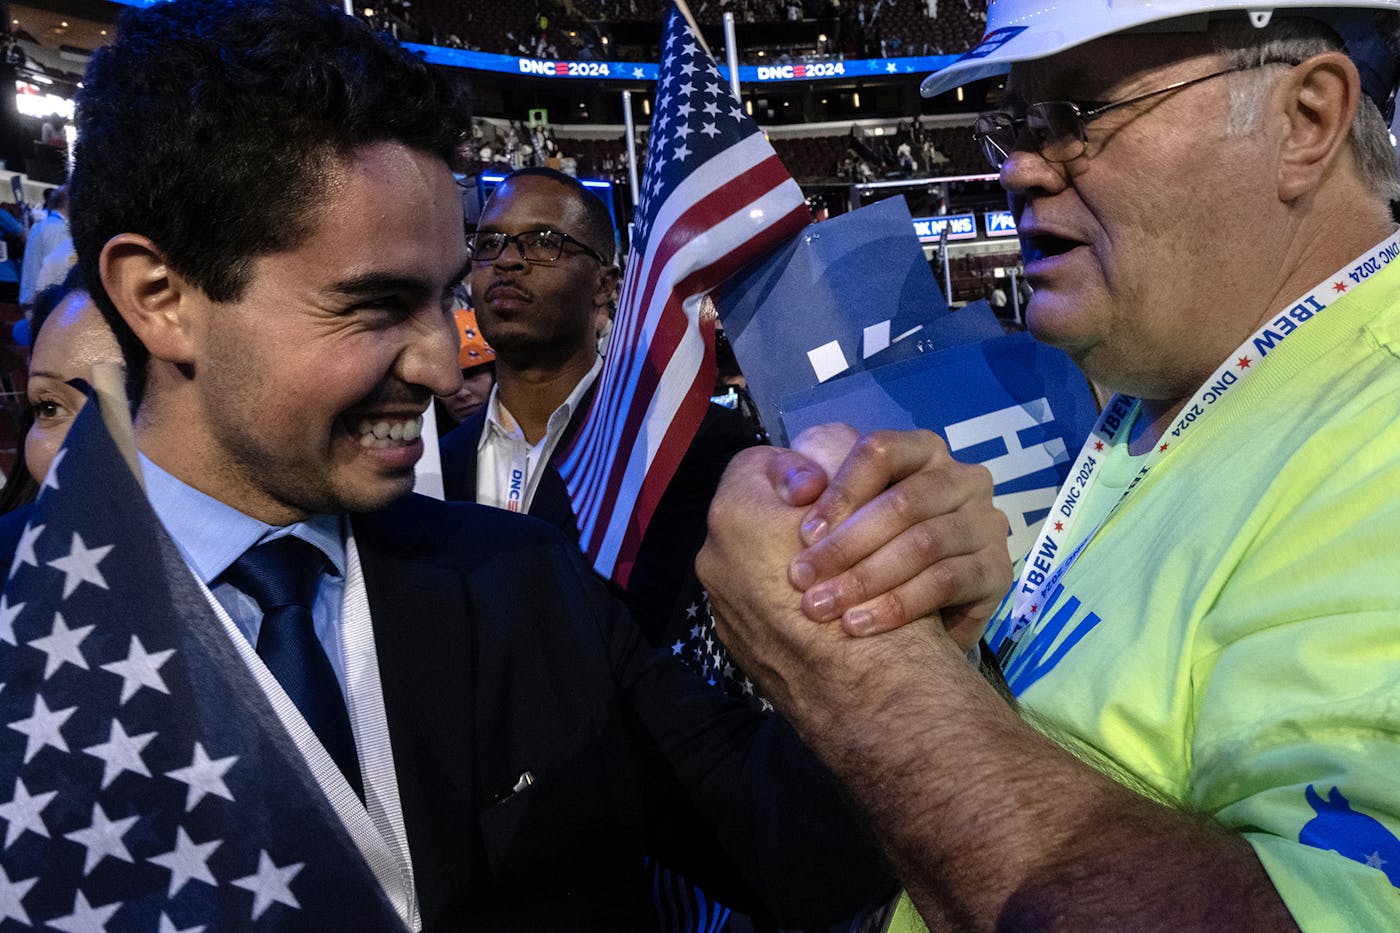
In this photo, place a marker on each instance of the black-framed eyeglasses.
(1055, 129)
(532, 245)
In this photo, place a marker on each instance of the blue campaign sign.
(960, 227)
(838, 294)
(1018, 407)
(999, 223)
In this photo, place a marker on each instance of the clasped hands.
(876, 532)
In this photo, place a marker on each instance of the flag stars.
(270, 884)
(80, 565)
(11, 897)
(24, 551)
(140, 669)
(188, 861)
(168, 926)
(8, 614)
(681, 152)
(710, 130)
(712, 108)
(1059, 526)
(42, 728)
(103, 839)
(1243, 362)
(1374, 860)
(204, 776)
(678, 647)
(85, 918)
(62, 646)
(121, 752)
(1098, 445)
(51, 478)
(1339, 286)
(23, 812)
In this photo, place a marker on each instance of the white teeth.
(385, 433)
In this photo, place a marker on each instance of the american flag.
(145, 781)
(715, 197)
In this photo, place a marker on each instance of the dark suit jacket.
(501, 654)
(663, 579)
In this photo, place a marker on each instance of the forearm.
(992, 826)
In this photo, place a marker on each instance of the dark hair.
(600, 226)
(20, 486)
(202, 109)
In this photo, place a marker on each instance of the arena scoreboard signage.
(960, 227)
(999, 223)
(644, 71)
(649, 71)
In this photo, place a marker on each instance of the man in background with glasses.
(1207, 632)
(543, 283)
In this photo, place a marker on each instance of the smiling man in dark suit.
(471, 688)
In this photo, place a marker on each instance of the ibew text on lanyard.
(1039, 576)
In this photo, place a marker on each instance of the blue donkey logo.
(1351, 833)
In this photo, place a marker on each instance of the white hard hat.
(1025, 30)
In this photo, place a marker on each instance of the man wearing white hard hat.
(1206, 635)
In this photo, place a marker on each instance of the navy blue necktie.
(282, 576)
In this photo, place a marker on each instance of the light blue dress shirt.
(211, 536)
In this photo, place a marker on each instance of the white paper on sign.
(827, 360)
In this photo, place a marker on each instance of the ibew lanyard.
(1038, 576)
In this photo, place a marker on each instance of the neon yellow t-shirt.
(1230, 640)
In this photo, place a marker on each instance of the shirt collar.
(557, 421)
(212, 535)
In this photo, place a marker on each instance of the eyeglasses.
(532, 245)
(1056, 127)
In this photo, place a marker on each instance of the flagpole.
(694, 27)
(630, 128)
(947, 264)
(109, 384)
(731, 54)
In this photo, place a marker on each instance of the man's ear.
(607, 287)
(153, 299)
(1320, 98)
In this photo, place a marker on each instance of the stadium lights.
(496, 179)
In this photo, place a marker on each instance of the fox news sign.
(959, 227)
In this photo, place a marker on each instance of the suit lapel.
(422, 633)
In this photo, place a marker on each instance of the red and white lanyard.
(1041, 574)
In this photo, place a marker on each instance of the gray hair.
(1293, 39)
